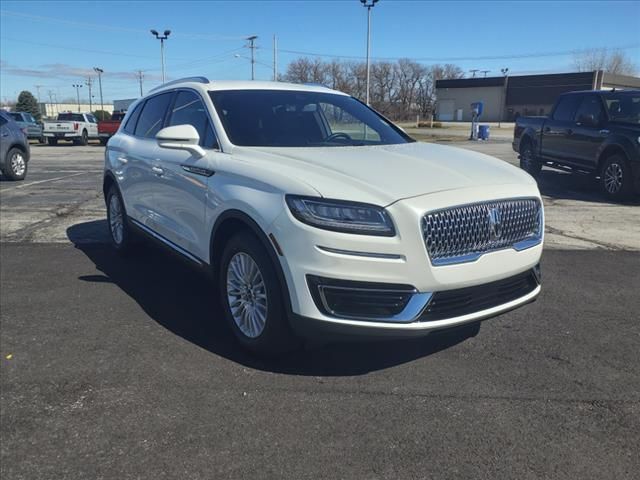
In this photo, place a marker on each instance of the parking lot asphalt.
(63, 188)
(115, 368)
(123, 369)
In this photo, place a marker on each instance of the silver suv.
(14, 148)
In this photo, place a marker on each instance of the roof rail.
(181, 80)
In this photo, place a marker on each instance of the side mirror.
(588, 120)
(181, 137)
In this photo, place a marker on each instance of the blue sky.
(55, 44)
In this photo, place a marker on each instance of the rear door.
(589, 132)
(138, 158)
(181, 189)
(557, 132)
(92, 128)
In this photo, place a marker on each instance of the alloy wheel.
(116, 220)
(613, 177)
(247, 295)
(18, 165)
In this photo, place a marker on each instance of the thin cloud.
(64, 71)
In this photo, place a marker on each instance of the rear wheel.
(615, 177)
(528, 161)
(42, 140)
(84, 138)
(16, 164)
(251, 297)
(52, 141)
(120, 232)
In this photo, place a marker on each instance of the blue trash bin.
(483, 132)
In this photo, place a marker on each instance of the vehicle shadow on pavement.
(183, 299)
(566, 186)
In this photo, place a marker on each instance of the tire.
(84, 138)
(42, 140)
(52, 141)
(103, 141)
(528, 161)
(16, 164)
(120, 233)
(247, 280)
(615, 178)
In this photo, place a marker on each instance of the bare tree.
(611, 61)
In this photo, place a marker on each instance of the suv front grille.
(464, 233)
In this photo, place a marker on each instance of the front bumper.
(402, 260)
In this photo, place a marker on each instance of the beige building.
(51, 110)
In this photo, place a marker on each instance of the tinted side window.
(152, 117)
(130, 126)
(3, 121)
(566, 108)
(591, 105)
(189, 109)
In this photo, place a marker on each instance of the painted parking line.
(24, 185)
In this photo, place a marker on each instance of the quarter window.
(189, 109)
(152, 117)
(130, 126)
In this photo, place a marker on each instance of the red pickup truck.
(108, 128)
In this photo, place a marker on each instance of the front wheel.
(16, 165)
(251, 297)
(615, 178)
(528, 161)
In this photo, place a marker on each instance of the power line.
(455, 59)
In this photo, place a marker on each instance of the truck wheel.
(615, 177)
(528, 161)
(251, 297)
(84, 139)
(16, 165)
(52, 141)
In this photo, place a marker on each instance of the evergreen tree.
(28, 103)
(102, 115)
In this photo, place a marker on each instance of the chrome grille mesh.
(464, 233)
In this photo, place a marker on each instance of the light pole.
(162, 38)
(252, 46)
(77, 86)
(369, 4)
(503, 99)
(100, 71)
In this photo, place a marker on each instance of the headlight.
(341, 216)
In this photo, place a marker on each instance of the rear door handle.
(604, 132)
(157, 170)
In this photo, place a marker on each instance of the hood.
(385, 174)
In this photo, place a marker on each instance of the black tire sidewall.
(52, 141)
(534, 167)
(84, 138)
(8, 171)
(276, 336)
(627, 182)
(125, 245)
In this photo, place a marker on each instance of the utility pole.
(275, 59)
(473, 73)
(78, 86)
(485, 72)
(252, 47)
(50, 92)
(88, 84)
(503, 99)
(162, 38)
(139, 74)
(100, 71)
(369, 4)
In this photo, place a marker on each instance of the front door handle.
(157, 170)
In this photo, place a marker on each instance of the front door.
(558, 130)
(589, 132)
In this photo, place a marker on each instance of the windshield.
(623, 107)
(281, 118)
(76, 117)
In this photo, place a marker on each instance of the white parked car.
(316, 214)
(77, 127)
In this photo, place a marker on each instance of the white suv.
(316, 214)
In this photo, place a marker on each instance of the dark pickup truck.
(594, 132)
